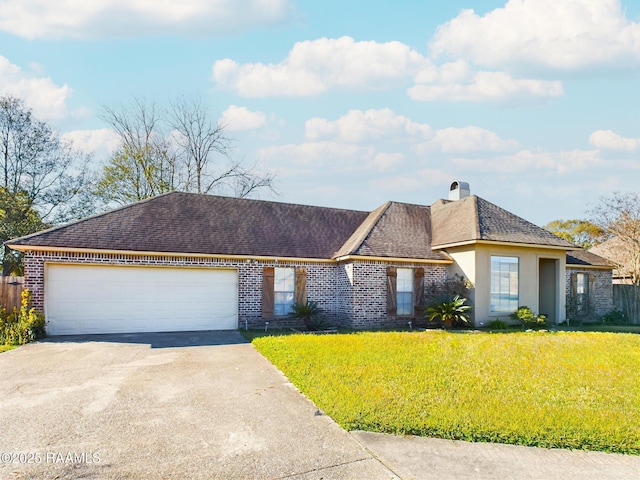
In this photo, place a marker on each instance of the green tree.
(580, 232)
(17, 218)
(37, 165)
(41, 177)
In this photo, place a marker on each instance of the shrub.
(497, 324)
(527, 318)
(310, 313)
(451, 314)
(614, 317)
(21, 326)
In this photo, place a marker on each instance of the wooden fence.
(626, 298)
(10, 290)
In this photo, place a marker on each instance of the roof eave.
(268, 258)
(496, 242)
(346, 258)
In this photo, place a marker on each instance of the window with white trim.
(404, 291)
(582, 292)
(504, 284)
(284, 286)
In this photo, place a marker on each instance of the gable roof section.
(204, 224)
(585, 258)
(397, 230)
(473, 219)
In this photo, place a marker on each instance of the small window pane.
(404, 291)
(405, 303)
(284, 290)
(504, 284)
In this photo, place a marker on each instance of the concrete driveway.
(182, 405)
(208, 405)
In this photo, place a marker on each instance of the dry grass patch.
(566, 390)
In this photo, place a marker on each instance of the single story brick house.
(183, 261)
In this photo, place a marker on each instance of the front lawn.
(6, 348)
(568, 389)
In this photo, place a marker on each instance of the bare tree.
(619, 217)
(206, 149)
(145, 163)
(183, 149)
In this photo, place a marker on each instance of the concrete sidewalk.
(430, 458)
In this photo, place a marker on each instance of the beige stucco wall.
(474, 262)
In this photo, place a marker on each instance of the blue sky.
(534, 102)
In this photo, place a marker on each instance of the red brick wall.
(351, 294)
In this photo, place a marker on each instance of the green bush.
(528, 319)
(615, 317)
(451, 314)
(310, 313)
(497, 324)
(21, 326)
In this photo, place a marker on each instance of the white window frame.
(404, 292)
(284, 290)
(504, 284)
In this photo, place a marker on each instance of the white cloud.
(319, 155)
(358, 126)
(466, 139)
(47, 99)
(606, 139)
(101, 142)
(373, 125)
(126, 18)
(498, 87)
(562, 162)
(560, 35)
(315, 66)
(237, 119)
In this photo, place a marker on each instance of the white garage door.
(100, 299)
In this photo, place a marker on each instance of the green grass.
(6, 348)
(566, 390)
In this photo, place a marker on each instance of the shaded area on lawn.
(566, 389)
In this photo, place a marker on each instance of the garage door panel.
(98, 299)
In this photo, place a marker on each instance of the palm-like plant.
(309, 313)
(450, 313)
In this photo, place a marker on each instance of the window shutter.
(301, 285)
(268, 274)
(392, 276)
(418, 292)
(592, 291)
(574, 285)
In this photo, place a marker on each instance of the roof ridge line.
(477, 215)
(361, 237)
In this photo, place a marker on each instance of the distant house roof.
(188, 223)
(586, 258)
(617, 253)
(473, 219)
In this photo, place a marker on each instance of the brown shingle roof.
(397, 230)
(191, 223)
(204, 224)
(586, 258)
(473, 218)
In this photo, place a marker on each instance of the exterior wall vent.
(459, 190)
